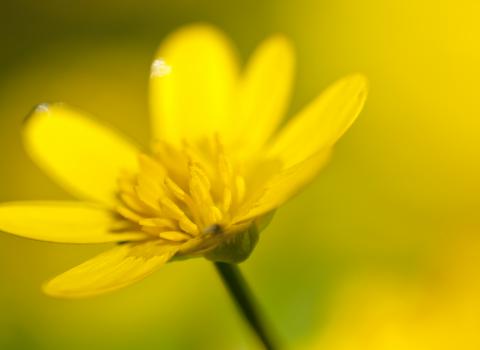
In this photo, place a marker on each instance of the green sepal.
(239, 247)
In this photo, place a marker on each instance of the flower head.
(217, 168)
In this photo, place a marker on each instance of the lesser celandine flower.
(217, 168)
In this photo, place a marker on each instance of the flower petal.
(264, 93)
(85, 157)
(62, 222)
(284, 185)
(192, 84)
(321, 123)
(111, 270)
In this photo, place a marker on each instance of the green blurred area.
(403, 183)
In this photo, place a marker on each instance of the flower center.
(183, 192)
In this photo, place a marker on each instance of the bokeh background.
(381, 252)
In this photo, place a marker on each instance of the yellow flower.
(216, 169)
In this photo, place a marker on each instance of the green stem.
(238, 288)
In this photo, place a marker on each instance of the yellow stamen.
(128, 214)
(182, 193)
(175, 236)
(171, 209)
(133, 202)
(240, 188)
(200, 186)
(157, 222)
(188, 226)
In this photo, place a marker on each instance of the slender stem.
(238, 288)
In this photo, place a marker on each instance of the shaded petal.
(264, 93)
(284, 186)
(83, 156)
(63, 222)
(321, 123)
(111, 270)
(192, 84)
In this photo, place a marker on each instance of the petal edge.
(319, 125)
(82, 155)
(114, 269)
(62, 222)
(192, 95)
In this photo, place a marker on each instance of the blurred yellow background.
(387, 235)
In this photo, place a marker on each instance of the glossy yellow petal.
(192, 84)
(321, 123)
(284, 186)
(83, 156)
(114, 269)
(63, 222)
(264, 93)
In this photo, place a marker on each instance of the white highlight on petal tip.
(160, 68)
(42, 108)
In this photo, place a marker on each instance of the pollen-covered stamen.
(200, 190)
(225, 173)
(183, 197)
(175, 236)
(172, 210)
(158, 223)
(134, 203)
(128, 214)
(240, 188)
(233, 189)
(184, 193)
